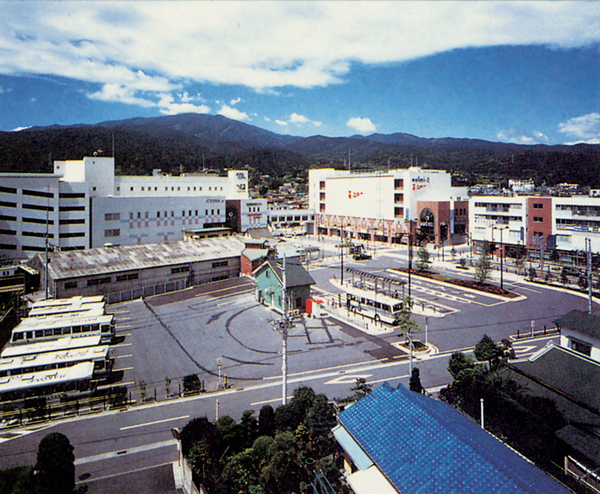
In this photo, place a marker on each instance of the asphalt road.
(188, 332)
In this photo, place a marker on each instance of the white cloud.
(298, 120)
(159, 46)
(168, 106)
(21, 128)
(233, 113)
(119, 93)
(362, 125)
(234, 102)
(522, 137)
(585, 129)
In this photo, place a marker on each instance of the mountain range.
(194, 142)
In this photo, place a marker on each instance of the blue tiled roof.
(425, 446)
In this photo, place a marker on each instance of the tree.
(191, 383)
(266, 421)
(361, 388)
(423, 258)
(458, 362)
(414, 383)
(488, 351)
(405, 323)
(55, 465)
(482, 268)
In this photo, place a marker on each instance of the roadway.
(192, 331)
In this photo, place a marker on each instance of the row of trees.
(277, 453)
(528, 423)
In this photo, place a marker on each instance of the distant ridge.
(196, 141)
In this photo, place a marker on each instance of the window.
(71, 222)
(538, 219)
(183, 214)
(581, 347)
(158, 214)
(538, 205)
(130, 216)
(112, 216)
(8, 190)
(37, 193)
(112, 233)
(172, 214)
(70, 285)
(131, 188)
(72, 235)
(71, 195)
(180, 269)
(139, 216)
(8, 204)
(99, 281)
(63, 208)
(220, 264)
(142, 189)
(127, 277)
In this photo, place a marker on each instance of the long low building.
(128, 272)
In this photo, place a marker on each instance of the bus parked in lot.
(34, 329)
(375, 305)
(39, 362)
(76, 306)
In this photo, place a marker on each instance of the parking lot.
(189, 332)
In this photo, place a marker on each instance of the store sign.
(419, 183)
(354, 195)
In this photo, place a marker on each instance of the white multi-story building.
(381, 206)
(285, 220)
(563, 223)
(84, 205)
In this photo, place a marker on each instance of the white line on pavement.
(128, 451)
(153, 423)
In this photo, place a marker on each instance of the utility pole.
(588, 244)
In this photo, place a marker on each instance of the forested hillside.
(193, 142)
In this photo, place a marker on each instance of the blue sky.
(523, 72)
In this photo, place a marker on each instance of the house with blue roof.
(398, 441)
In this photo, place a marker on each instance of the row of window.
(48, 195)
(289, 218)
(190, 189)
(116, 216)
(180, 269)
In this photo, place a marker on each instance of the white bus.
(376, 305)
(39, 362)
(65, 306)
(62, 343)
(78, 376)
(34, 329)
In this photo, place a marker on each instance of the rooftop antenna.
(348, 157)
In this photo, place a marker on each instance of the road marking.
(387, 379)
(348, 378)
(105, 386)
(128, 451)
(125, 473)
(123, 356)
(270, 401)
(153, 423)
(524, 348)
(121, 326)
(121, 344)
(327, 368)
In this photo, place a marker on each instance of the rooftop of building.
(424, 445)
(103, 260)
(582, 322)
